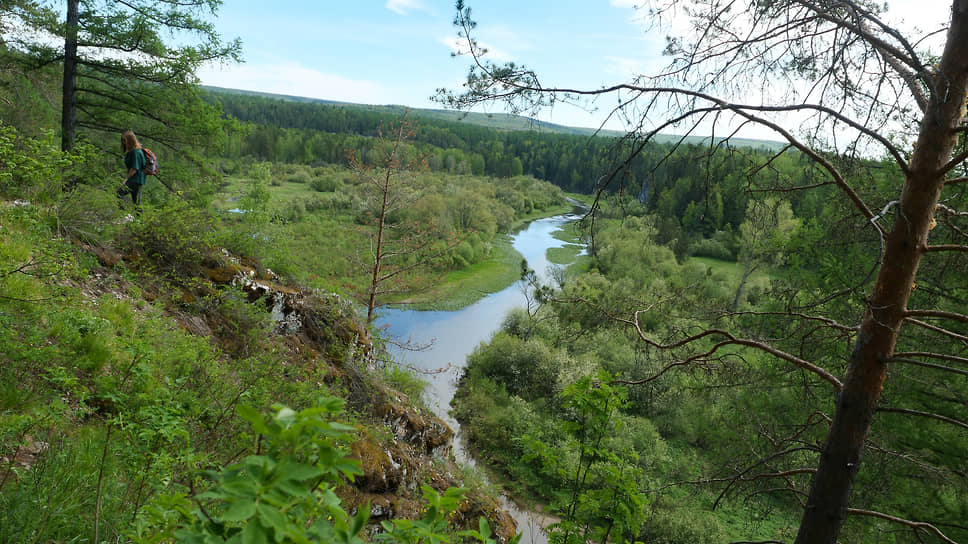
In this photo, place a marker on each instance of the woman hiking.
(134, 160)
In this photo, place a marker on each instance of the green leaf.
(254, 533)
(299, 471)
(294, 488)
(273, 517)
(484, 527)
(253, 417)
(286, 416)
(240, 511)
(360, 519)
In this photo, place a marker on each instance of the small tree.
(398, 247)
(767, 227)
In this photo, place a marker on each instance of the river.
(454, 335)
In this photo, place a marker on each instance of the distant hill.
(497, 121)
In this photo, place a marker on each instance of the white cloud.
(402, 7)
(632, 4)
(293, 79)
(459, 46)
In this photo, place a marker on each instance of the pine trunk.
(829, 497)
(68, 96)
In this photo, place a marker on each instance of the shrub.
(709, 247)
(300, 176)
(86, 213)
(286, 493)
(177, 237)
(526, 368)
(326, 184)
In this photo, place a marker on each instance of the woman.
(134, 159)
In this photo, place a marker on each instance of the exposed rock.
(428, 432)
(195, 324)
(26, 455)
(106, 256)
(381, 473)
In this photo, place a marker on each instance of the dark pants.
(133, 189)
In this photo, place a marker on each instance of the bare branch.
(905, 61)
(928, 365)
(825, 320)
(939, 330)
(939, 417)
(763, 461)
(954, 162)
(730, 340)
(931, 355)
(939, 314)
(946, 247)
(914, 525)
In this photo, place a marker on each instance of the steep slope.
(125, 361)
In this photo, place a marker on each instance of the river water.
(454, 335)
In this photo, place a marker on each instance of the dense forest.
(700, 187)
(203, 366)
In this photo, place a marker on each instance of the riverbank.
(453, 335)
(461, 288)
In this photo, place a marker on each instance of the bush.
(177, 237)
(87, 213)
(527, 369)
(286, 493)
(708, 247)
(299, 176)
(721, 246)
(325, 184)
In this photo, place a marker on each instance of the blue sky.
(398, 51)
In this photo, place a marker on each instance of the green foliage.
(286, 492)
(721, 246)
(526, 368)
(31, 168)
(683, 525)
(255, 200)
(431, 528)
(282, 495)
(177, 237)
(602, 483)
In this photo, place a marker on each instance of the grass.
(284, 192)
(564, 255)
(574, 245)
(461, 288)
(732, 271)
(455, 290)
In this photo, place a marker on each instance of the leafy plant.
(286, 493)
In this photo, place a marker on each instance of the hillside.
(124, 362)
(496, 121)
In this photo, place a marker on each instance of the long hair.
(129, 141)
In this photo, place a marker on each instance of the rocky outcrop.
(404, 447)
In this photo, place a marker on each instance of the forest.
(766, 341)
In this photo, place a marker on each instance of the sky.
(399, 51)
